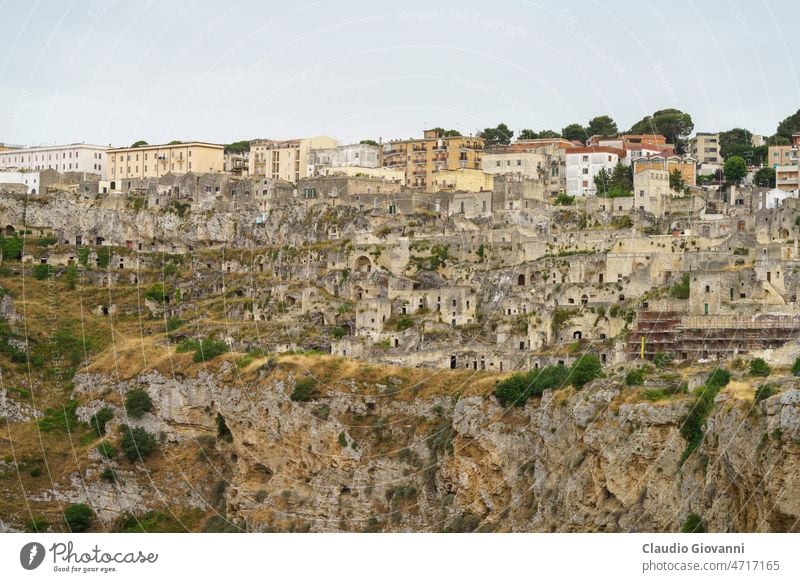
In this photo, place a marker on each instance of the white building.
(324, 161)
(285, 159)
(31, 180)
(78, 157)
(775, 197)
(584, 163)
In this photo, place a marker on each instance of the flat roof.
(53, 147)
(167, 145)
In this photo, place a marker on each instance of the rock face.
(573, 461)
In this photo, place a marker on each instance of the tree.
(137, 443)
(673, 124)
(615, 184)
(175, 142)
(736, 142)
(735, 168)
(78, 517)
(765, 177)
(575, 132)
(564, 200)
(445, 132)
(758, 367)
(137, 402)
(494, 136)
(602, 125)
(585, 369)
(676, 181)
(238, 147)
(371, 142)
(527, 134)
(138, 144)
(787, 127)
(602, 182)
(549, 134)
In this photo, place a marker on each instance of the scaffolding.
(692, 337)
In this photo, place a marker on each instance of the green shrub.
(137, 402)
(103, 257)
(718, 379)
(223, 432)
(78, 517)
(173, 323)
(513, 390)
(107, 450)
(796, 367)
(564, 200)
(204, 350)
(304, 390)
(764, 391)
(339, 332)
(37, 524)
(137, 443)
(209, 349)
(11, 248)
(46, 241)
(661, 360)
(155, 292)
(692, 427)
(693, 524)
(99, 420)
(42, 272)
(680, 290)
(634, 377)
(342, 439)
(170, 269)
(109, 475)
(61, 419)
(152, 521)
(83, 256)
(758, 367)
(71, 277)
(584, 370)
(517, 388)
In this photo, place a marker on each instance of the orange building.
(420, 159)
(686, 165)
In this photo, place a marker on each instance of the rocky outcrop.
(572, 461)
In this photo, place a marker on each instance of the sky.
(113, 71)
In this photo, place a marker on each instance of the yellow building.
(686, 165)
(462, 180)
(154, 161)
(286, 159)
(420, 159)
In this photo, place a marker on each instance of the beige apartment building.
(704, 147)
(286, 159)
(154, 161)
(784, 160)
(422, 158)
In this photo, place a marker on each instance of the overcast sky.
(110, 71)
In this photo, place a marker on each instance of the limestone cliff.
(390, 455)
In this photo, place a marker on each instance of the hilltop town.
(384, 282)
